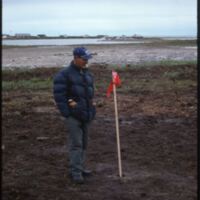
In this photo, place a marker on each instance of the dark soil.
(158, 133)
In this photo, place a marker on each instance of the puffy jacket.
(77, 84)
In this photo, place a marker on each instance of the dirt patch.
(158, 133)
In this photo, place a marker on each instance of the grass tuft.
(32, 84)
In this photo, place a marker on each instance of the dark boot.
(77, 178)
(86, 173)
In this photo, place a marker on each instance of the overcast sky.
(107, 17)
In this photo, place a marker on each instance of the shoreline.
(109, 54)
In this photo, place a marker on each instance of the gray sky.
(107, 17)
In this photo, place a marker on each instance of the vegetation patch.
(31, 84)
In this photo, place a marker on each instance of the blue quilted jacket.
(77, 84)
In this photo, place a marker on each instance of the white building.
(22, 35)
(5, 36)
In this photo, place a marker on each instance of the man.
(73, 94)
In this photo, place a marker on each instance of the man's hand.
(72, 103)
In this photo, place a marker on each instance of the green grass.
(149, 64)
(172, 74)
(26, 73)
(31, 84)
(172, 43)
(156, 85)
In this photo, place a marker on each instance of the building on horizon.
(22, 35)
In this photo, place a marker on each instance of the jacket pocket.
(79, 112)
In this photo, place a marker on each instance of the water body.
(46, 42)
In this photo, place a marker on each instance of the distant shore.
(111, 54)
(99, 37)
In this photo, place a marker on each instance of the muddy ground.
(115, 54)
(158, 132)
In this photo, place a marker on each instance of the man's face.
(81, 62)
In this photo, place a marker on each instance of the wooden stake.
(117, 131)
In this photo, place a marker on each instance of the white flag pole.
(117, 131)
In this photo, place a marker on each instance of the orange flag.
(115, 80)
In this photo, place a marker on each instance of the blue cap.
(82, 52)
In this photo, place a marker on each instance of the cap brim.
(87, 57)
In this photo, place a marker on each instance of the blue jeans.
(77, 144)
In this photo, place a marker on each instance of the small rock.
(42, 138)
(100, 104)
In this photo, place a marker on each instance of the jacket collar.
(76, 67)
